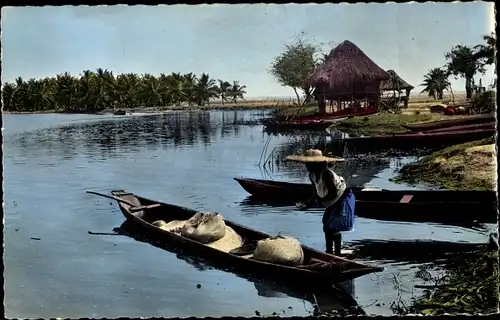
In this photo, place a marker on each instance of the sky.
(234, 42)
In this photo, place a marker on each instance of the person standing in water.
(331, 191)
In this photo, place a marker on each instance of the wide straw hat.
(313, 155)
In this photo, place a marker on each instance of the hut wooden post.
(407, 97)
(322, 104)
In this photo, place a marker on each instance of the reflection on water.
(189, 159)
(326, 300)
(407, 252)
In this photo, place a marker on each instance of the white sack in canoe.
(282, 250)
(204, 227)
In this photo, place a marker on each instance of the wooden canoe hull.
(296, 125)
(301, 277)
(447, 207)
(449, 123)
(349, 112)
(478, 126)
(425, 139)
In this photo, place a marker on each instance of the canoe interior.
(347, 269)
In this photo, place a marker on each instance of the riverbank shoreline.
(467, 166)
(239, 106)
(469, 283)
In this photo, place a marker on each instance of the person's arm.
(311, 201)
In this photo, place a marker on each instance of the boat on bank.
(348, 112)
(318, 270)
(313, 122)
(438, 206)
(422, 127)
(309, 125)
(478, 126)
(441, 138)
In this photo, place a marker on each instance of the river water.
(54, 268)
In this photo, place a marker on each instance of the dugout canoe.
(438, 206)
(336, 299)
(449, 123)
(442, 138)
(319, 270)
(310, 125)
(477, 126)
(348, 112)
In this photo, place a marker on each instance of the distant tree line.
(95, 91)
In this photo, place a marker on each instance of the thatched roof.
(395, 83)
(346, 67)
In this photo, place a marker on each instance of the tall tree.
(293, 67)
(486, 52)
(462, 62)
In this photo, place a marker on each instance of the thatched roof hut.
(395, 83)
(347, 72)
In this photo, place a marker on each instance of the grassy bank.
(468, 166)
(469, 285)
(382, 123)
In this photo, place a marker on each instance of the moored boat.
(421, 127)
(478, 126)
(439, 206)
(120, 113)
(441, 138)
(318, 270)
(311, 125)
(348, 112)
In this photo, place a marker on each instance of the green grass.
(382, 123)
(470, 285)
(288, 111)
(428, 171)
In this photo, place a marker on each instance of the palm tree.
(223, 90)
(189, 83)
(435, 82)
(236, 91)
(95, 91)
(205, 89)
(8, 90)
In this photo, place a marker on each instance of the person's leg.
(328, 240)
(337, 241)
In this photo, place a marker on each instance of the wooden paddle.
(133, 208)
